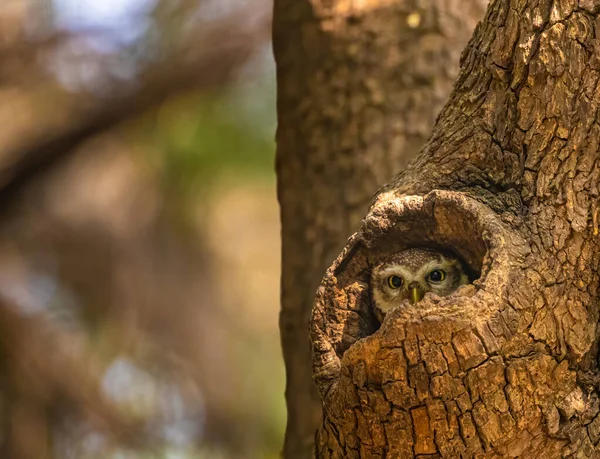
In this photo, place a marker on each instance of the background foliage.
(139, 245)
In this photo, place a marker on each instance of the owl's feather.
(413, 266)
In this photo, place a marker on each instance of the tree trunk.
(508, 366)
(359, 87)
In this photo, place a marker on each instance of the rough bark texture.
(359, 87)
(508, 366)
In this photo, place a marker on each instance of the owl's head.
(410, 274)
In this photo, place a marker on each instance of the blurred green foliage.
(200, 137)
(121, 282)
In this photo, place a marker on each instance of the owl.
(410, 274)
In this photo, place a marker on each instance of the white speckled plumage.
(414, 266)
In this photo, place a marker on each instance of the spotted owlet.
(410, 274)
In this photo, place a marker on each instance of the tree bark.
(359, 87)
(507, 366)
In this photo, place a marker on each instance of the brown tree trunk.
(359, 87)
(508, 366)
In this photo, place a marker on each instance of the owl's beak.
(415, 294)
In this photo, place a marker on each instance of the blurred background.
(139, 244)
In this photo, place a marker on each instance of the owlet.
(410, 274)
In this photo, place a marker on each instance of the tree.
(359, 87)
(506, 367)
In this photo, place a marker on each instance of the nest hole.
(440, 221)
(443, 220)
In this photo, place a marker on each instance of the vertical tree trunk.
(508, 366)
(359, 87)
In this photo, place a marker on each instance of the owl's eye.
(437, 275)
(394, 282)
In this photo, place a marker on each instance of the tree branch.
(214, 63)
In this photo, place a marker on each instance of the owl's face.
(410, 274)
